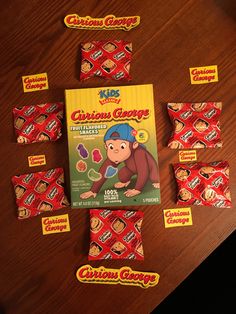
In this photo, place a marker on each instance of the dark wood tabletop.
(37, 271)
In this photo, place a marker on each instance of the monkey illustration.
(207, 171)
(182, 174)
(199, 106)
(201, 125)
(108, 65)
(175, 106)
(19, 122)
(94, 249)
(121, 146)
(87, 46)
(86, 66)
(110, 47)
(95, 224)
(118, 248)
(209, 195)
(118, 225)
(184, 195)
(23, 212)
(179, 125)
(19, 190)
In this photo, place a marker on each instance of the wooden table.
(38, 272)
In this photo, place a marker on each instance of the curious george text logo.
(203, 75)
(109, 22)
(35, 82)
(124, 276)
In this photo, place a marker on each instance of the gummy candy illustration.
(96, 155)
(83, 152)
(81, 166)
(94, 175)
(110, 172)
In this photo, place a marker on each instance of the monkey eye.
(110, 146)
(123, 145)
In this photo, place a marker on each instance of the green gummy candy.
(94, 175)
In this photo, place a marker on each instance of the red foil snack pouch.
(196, 125)
(39, 192)
(203, 184)
(38, 123)
(115, 234)
(107, 59)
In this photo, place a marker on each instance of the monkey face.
(23, 212)
(209, 195)
(199, 106)
(182, 174)
(184, 195)
(178, 125)
(118, 150)
(175, 106)
(118, 248)
(119, 225)
(201, 125)
(95, 224)
(19, 190)
(175, 145)
(95, 249)
(139, 249)
(207, 171)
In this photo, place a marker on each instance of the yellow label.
(203, 75)
(109, 22)
(124, 276)
(37, 160)
(35, 82)
(142, 136)
(187, 155)
(177, 217)
(55, 224)
(90, 113)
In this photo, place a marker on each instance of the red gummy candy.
(97, 156)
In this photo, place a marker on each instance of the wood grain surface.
(38, 272)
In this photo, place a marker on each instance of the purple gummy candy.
(82, 151)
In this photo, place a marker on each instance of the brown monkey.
(121, 146)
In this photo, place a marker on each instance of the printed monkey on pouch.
(121, 146)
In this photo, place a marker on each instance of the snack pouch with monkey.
(203, 184)
(195, 125)
(38, 123)
(108, 59)
(115, 234)
(38, 192)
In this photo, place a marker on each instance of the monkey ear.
(105, 146)
(135, 145)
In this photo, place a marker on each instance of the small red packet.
(115, 234)
(38, 123)
(203, 184)
(39, 192)
(196, 125)
(107, 59)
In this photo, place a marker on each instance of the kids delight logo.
(124, 276)
(109, 96)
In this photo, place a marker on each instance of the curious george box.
(112, 146)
